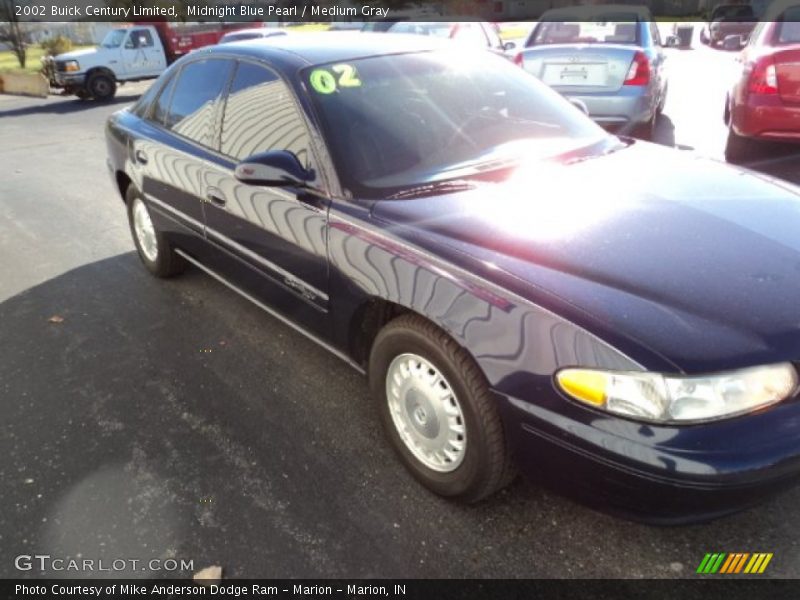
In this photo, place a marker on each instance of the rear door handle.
(140, 157)
(216, 198)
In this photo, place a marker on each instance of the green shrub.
(56, 45)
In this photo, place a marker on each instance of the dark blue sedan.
(523, 289)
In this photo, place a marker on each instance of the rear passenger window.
(261, 115)
(195, 98)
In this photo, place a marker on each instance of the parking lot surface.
(148, 419)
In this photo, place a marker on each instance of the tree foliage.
(11, 32)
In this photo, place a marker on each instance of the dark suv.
(726, 20)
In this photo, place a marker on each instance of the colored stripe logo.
(733, 563)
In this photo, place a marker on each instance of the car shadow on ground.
(779, 160)
(664, 133)
(64, 105)
(145, 417)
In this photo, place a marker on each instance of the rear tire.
(154, 250)
(101, 86)
(437, 411)
(647, 131)
(662, 101)
(740, 150)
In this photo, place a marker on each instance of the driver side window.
(261, 115)
(139, 38)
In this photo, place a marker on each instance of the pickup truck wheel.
(101, 86)
(152, 246)
(437, 411)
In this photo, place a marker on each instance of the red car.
(765, 102)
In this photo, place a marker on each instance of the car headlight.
(665, 398)
(72, 66)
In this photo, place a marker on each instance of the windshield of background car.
(438, 29)
(789, 28)
(732, 12)
(618, 29)
(114, 38)
(399, 121)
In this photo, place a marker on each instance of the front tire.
(437, 411)
(154, 250)
(101, 86)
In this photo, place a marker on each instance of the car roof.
(590, 11)
(330, 46)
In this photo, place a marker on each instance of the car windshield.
(618, 29)
(240, 37)
(437, 29)
(114, 38)
(400, 121)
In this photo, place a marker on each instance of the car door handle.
(140, 157)
(216, 198)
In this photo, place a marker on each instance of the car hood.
(76, 54)
(687, 258)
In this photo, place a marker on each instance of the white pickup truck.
(134, 53)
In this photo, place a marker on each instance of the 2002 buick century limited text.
(523, 290)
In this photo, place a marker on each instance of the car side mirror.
(276, 168)
(508, 46)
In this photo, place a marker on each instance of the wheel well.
(123, 181)
(103, 70)
(368, 319)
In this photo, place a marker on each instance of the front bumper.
(70, 81)
(656, 474)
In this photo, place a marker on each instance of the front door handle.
(140, 157)
(216, 198)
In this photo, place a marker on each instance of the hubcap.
(144, 230)
(426, 413)
(101, 87)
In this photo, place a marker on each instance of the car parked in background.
(474, 33)
(255, 33)
(607, 57)
(728, 20)
(764, 103)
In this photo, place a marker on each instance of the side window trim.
(219, 117)
(166, 87)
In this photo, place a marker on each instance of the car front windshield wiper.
(434, 188)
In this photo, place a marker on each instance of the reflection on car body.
(453, 228)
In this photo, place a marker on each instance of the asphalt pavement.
(147, 419)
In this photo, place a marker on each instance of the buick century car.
(522, 289)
